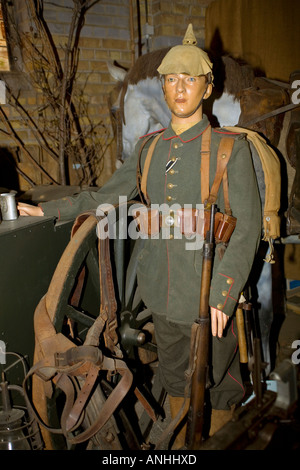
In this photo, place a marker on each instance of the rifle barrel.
(200, 348)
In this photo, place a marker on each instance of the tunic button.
(219, 306)
(175, 146)
(229, 281)
(170, 185)
(171, 236)
(169, 198)
(171, 172)
(169, 220)
(224, 293)
(173, 159)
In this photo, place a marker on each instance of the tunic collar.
(190, 134)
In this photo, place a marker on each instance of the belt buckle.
(170, 220)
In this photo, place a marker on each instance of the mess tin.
(8, 206)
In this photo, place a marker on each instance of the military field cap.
(186, 58)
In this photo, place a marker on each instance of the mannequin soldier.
(169, 274)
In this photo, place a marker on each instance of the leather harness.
(59, 362)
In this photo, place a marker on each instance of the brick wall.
(114, 30)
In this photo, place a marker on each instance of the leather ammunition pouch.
(188, 222)
(152, 221)
(224, 228)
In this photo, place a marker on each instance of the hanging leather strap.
(108, 305)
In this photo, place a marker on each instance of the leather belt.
(151, 221)
(188, 221)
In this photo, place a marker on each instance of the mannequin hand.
(218, 322)
(27, 209)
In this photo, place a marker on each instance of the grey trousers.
(173, 344)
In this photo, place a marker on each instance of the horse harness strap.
(84, 363)
(108, 305)
(59, 361)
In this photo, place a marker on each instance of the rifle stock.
(200, 347)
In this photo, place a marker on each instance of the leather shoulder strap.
(142, 177)
(147, 166)
(223, 156)
(205, 157)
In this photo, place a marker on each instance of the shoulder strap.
(142, 178)
(147, 166)
(204, 170)
(224, 153)
(223, 156)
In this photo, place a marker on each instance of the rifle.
(200, 346)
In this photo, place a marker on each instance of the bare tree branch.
(32, 124)
(18, 140)
(56, 121)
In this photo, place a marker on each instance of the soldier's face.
(184, 92)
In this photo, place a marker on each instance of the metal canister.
(8, 206)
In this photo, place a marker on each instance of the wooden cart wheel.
(130, 426)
